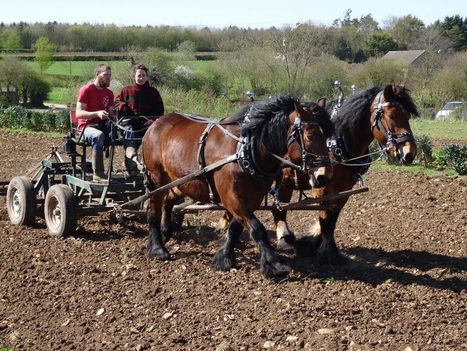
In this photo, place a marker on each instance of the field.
(404, 288)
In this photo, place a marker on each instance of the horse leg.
(270, 265)
(166, 221)
(224, 221)
(328, 251)
(285, 237)
(224, 259)
(321, 242)
(156, 248)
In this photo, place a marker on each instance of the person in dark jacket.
(139, 99)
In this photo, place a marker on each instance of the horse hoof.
(275, 270)
(222, 263)
(159, 254)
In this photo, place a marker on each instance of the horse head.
(310, 126)
(391, 111)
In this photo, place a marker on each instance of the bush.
(38, 91)
(425, 149)
(455, 156)
(13, 117)
(47, 121)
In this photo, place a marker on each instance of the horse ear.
(299, 108)
(322, 102)
(389, 92)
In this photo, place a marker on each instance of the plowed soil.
(404, 287)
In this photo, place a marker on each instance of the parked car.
(451, 109)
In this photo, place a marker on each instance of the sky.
(223, 13)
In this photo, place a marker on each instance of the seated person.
(139, 99)
(93, 109)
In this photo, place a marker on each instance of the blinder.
(309, 160)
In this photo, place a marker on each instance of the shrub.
(425, 149)
(455, 156)
(13, 117)
(38, 91)
(47, 121)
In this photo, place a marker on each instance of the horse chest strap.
(202, 159)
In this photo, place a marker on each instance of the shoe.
(134, 172)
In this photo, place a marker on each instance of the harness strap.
(179, 181)
(201, 158)
(247, 159)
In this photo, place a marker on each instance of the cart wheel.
(60, 210)
(21, 201)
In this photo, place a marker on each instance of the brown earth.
(404, 288)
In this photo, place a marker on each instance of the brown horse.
(246, 158)
(374, 114)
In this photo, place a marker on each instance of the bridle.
(392, 139)
(309, 160)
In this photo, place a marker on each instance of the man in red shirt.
(93, 109)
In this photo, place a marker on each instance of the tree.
(455, 28)
(16, 76)
(44, 53)
(10, 39)
(406, 31)
(352, 34)
(186, 50)
(379, 44)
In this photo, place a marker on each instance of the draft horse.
(374, 114)
(250, 156)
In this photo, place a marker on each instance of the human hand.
(148, 122)
(103, 114)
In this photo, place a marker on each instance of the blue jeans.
(131, 132)
(96, 135)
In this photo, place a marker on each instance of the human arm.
(82, 113)
(93, 103)
(158, 104)
(121, 105)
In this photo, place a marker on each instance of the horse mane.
(238, 116)
(404, 98)
(322, 117)
(353, 110)
(268, 122)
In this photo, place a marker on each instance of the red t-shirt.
(95, 100)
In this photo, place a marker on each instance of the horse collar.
(247, 159)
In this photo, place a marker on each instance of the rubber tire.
(21, 201)
(60, 211)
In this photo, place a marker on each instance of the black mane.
(353, 110)
(322, 117)
(268, 122)
(268, 119)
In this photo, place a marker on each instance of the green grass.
(200, 66)
(447, 129)
(62, 96)
(77, 68)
